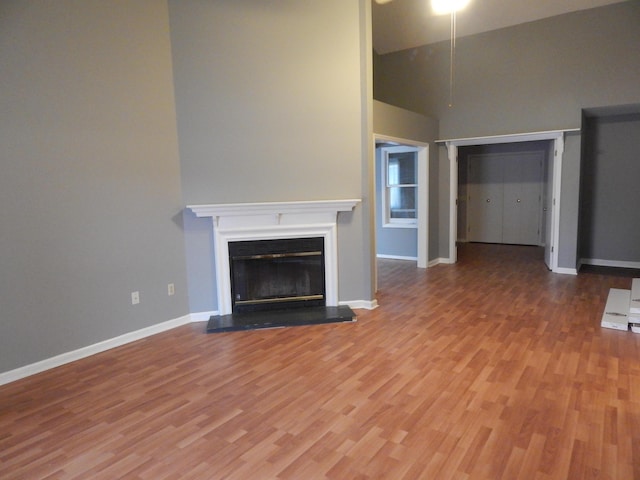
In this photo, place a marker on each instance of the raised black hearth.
(280, 318)
(277, 283)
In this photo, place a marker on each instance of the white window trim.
(386, 220)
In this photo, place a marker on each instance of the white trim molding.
(203, 316)
(566, 271)
(422, 224)
(269, 221)
(68, 357)
(274, 208)
(396, 257)
(361, 304)
(557, 136)
(508, 138)
(444, 261)
(609, 263)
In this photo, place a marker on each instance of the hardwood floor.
(491, 368)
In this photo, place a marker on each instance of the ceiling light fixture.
(442, 7)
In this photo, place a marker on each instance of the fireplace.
(277, 274)
(288, 237)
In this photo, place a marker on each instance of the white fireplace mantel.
(234, 222)
(331, 207)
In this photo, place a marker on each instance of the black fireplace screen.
(275, 274)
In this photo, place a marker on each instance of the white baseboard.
(68, 357)
(365, 304)
(566, 271)
(609, 263)
(203, 316)
(447, 261)
(397, 257)
(431, 263)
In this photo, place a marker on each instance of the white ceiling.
(401, 24)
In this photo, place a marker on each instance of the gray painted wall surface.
(270, 108)
(610, 223)
(532, 77)
(198, 235)
(392, 121)
(90, 183)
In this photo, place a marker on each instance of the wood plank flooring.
(492, 368)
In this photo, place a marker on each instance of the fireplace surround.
(242, 222)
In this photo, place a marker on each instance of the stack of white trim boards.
(623, 308)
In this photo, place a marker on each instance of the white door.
(548, 207)
(522, 199)
(485, 207)
(505, 198)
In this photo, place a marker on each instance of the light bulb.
(441, 7)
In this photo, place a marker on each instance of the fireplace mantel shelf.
(273, 208)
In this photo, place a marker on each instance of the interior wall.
(532, 77)
(90, 183)
(609, 226)
(270, 107)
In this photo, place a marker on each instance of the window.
(400, 193)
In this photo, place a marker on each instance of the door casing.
(553, 234)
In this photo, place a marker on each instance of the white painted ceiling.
(402, 24)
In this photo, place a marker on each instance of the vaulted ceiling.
(402, 24)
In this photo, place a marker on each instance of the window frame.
(387, 220)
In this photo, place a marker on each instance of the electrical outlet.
(171, 289)
(135, 298)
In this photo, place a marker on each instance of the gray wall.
(532, 77)
(270, 107)
(392, 121)
(90, 186)
(610, 223)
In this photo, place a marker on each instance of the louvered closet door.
(485, 200)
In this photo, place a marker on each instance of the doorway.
(553, 182)
(416, 235)
(609, 228)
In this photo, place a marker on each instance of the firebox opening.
(277, 274)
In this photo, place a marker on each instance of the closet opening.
(503, 193)
(553, 176)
